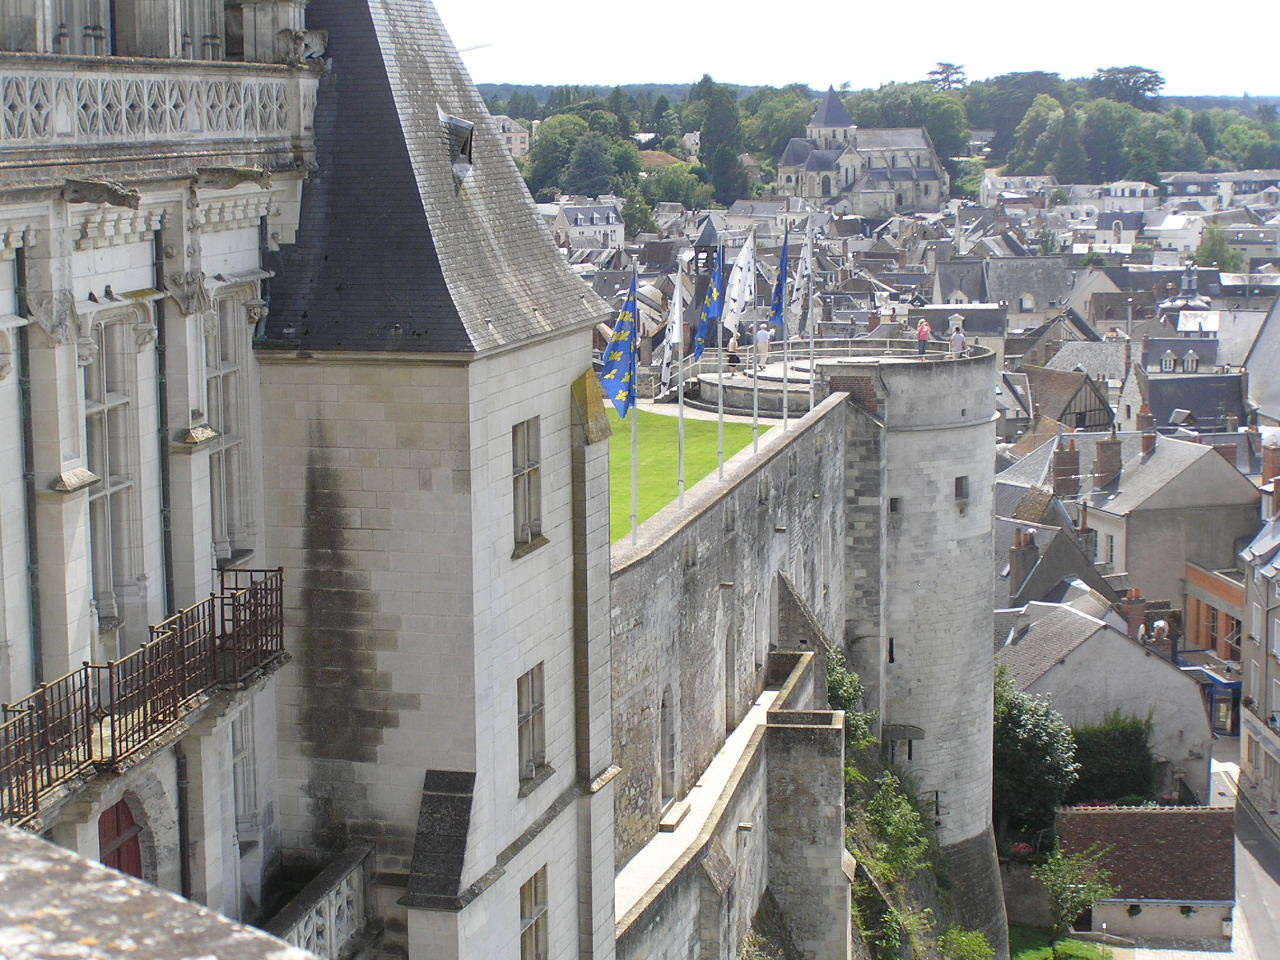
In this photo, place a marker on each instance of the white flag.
(740, 292)
(804, 269)
(675, 328)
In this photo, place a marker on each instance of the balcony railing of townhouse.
(66, 102)
(332, 916)
(101, 715)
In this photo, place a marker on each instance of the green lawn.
(658, 446)
(1036, 943)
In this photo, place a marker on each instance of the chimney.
(1146, 419)
(1270, 462)
(1128, 355)
(1148, 443)
(1233, 423)
(1107, 459)
(1134, 610)
(1023, 556)
(1228, 452)
(1066, 469)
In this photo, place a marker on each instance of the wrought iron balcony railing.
(102, 714)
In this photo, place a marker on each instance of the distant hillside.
(674, 92)
(1246, 105)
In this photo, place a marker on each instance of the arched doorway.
(119, 840)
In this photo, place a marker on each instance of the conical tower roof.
(831, 112)
(708, 237)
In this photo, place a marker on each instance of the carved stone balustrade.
(96, 110)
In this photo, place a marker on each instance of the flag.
(675, 328)
(778, 316)
(804, 269)
(741, 291)
(712, 306)
(618, 375)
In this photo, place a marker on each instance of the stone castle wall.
(695, 605)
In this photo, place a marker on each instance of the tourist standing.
(923, 333)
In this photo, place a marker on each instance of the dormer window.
(1191, 362)
(1168, 361)
(460, 133)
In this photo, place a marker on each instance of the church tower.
(831, 127)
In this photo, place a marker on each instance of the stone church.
(866, 172)
(311, 612)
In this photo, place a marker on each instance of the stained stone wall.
(695, 605)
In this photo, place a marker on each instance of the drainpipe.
(162, 400)
(29, 474)
(184, 820)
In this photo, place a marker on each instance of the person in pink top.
(923, 333)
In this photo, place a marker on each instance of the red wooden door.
(118, 841)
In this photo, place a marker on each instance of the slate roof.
(831, 112)
(1047, 633)
(892, 138)
(821, 161)
(1139, 479)
(1211, 397)
(1042, 430)
(1128, 220)
(1008, 278)
(1053, 390)
(393, 253)
(965, 276)
(796, 152)
(1105, 357)
(1154, 349)
(1265, 355)
(1159, 853)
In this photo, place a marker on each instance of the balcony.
(59, 108)
(332, 916)
(102, 715)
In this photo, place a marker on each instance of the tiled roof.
(395, 252)
(1053, 390)
(1054, 631)
(1159, 853)
(831, 112)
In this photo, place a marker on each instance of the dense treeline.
(1112, 125)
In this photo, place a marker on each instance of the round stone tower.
(919, 465)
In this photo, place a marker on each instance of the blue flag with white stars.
(712, 306)
(618, 376)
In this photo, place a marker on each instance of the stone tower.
(439, 500)
(918, 492)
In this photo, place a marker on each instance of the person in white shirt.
(762, 345)
(957, 342)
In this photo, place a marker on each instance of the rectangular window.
(110, 433)
(533, 917)
(243, 775)
(962, 488)
(225, 407)
(526, 482)
(1111, 549)
(531, 726)
(1252, 687)
(895, 504)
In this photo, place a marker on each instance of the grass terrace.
(658, 465)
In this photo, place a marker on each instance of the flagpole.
(720, 350)
(813, 327)
(635, 473)
(679, 317)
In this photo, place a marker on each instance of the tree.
(1074, 882)
(1115, 761)
(621, 106)
(552, 149)
(901, 844)
(590, 169)
(1048, 241)
(660, 108)
(1036, 139)
(946, 76)
(1034, 758)
(677, 184)
(625, 156)
(702, 89)
(1139, 86)
(722, 126)
(1105, 123)
(1216, 249)
(637, 214)
(728, 176)
(1071, 162)
(948, 126)
(1002, 101)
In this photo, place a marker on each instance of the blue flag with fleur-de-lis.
(618, 375)
(712, 306)
(778, 314)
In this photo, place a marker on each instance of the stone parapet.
(64, 117)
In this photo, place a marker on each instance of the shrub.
(957, 944)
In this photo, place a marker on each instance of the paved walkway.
(659, 854)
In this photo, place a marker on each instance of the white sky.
(742, 41)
